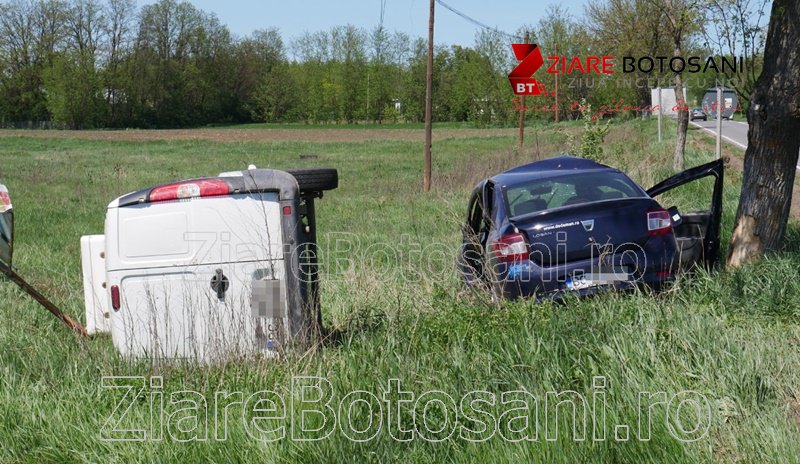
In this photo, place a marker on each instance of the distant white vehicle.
(208, 269)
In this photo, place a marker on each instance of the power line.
(474, 21)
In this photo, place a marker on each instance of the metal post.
(556, 89)
(426, 174)
(521, 137)
(719, 121)
(660, 112)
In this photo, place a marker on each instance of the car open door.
(470, 256)
(697, 233)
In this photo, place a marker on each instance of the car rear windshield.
(543, 194)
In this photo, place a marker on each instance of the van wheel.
(316, 180)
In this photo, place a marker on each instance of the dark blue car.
(571, 225)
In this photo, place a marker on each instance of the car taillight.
(658, 223)
(189, 189)
(510, 248)
(115, 297)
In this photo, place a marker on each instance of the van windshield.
(543, 194)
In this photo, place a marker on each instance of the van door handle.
(220, 284)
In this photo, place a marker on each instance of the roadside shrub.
(593, 134)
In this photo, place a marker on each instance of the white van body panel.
(95, 295)
(162, 257)
(194, 231)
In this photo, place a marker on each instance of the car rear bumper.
(586, 277)
(511, 292)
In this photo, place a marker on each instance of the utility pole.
(719, 121)
(556, 90)
(660, 111)
(426, 175)
(522, 109)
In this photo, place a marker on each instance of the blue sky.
(409, 16)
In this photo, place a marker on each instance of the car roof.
(549, 168)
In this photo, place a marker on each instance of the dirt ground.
(261, 135)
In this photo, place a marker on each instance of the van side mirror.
(6, 230)
(6, 252)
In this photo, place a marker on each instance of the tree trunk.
(773, 141)
(683, 121)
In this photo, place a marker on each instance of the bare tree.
(628, 27)
(773, 141)
(85, 24)
(735, 27)
(120, 15)
(681, 21)
(31, 32)
(49, 18)
(17, 41)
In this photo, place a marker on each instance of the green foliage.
(74, 91)
(275, 97)
(592, 136)
(171, 64)
(391, 114)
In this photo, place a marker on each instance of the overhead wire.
(510, 37)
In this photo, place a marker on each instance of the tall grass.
(731, 336)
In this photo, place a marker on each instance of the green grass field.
(728, 342)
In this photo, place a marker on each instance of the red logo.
(530, 58)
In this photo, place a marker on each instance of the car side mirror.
(675, 215)
(6, 230)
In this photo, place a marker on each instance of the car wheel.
(316, 180)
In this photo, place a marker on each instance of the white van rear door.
(162, 256)
(177, 314)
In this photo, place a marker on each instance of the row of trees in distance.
(109, 63)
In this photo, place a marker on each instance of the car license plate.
(579, 282)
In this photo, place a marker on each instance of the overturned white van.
(209, 269)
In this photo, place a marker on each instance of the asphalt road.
(734, 132)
